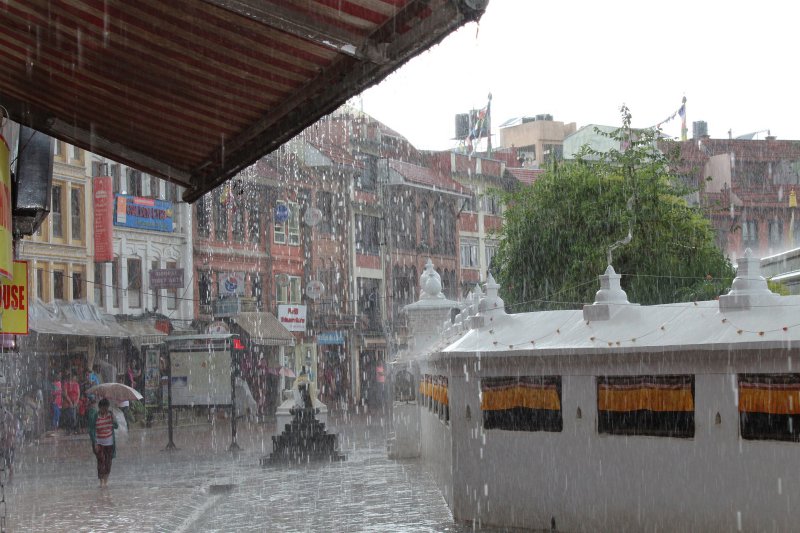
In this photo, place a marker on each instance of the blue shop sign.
(330, 337)
(143, 213)
(281, 213)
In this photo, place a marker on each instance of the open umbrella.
(286, 371)
(115, 391)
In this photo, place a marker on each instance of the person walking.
(101, 433)
(57, 399)
(72, 393)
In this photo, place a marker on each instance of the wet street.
(203, 487)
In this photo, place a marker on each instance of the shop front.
(261, 352)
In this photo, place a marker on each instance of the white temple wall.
(585, 481)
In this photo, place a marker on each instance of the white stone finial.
(610, 289)
(491, 301)
(749, 287)
(430, 283)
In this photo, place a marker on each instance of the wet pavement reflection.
(203, 487)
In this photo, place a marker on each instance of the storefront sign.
(293, 317)
(232, 284)
(14, 301)
(152, 376)
(314, 289)
(103, 219)
(166, 278)
(330, 338)
(218, 327)
(6, 238)
(143, 213)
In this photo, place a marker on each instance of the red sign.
(103, 219)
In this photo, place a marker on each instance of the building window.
(469, 253)
(325, 205)
(116, 282)
(202, 215)
(156, 292)
(58, 149)
(220, 215)
(76, 153)
(661, 406)
(491, 204)
(368, 177)
(750, 234)
(293, 226)
(134, 282)
(172, 294)
(40, 283)
(254, 224)
(424, 225)
(56, 211)
(238, 224)
(279, 228)
(369, 303)
(776, 232)
(134, 182)
(116, 179)
(443, 228)
(522, 403)
(287, 293)
(99, 284)
(769, 406)
(368, 234)
(77, 286)
(76, 213)
(204, 283)
(58, 284)
(257, 289)
(490, 248)
(172, 192)
(155, 188)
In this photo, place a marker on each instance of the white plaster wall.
(436, 447)
(590, 482)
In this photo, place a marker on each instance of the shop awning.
(143, 331)
(195, 91)
(264, 329)
(73, 318)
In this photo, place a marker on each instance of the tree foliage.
(557, 233)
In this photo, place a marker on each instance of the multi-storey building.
(480, 216)
(749, 189)
(60, 252)
(538, 139)
(151, 231)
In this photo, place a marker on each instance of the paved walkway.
(203, 487)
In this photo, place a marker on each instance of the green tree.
(558, 232)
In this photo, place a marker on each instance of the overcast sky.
(581, 60)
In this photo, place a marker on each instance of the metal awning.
(264, 329)
(79, 319)
(143, 331)
(194, 91)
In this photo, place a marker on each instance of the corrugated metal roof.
(194, 91)
(264, 328)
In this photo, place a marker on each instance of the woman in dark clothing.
(101, 433)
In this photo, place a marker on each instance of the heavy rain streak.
(258, 275)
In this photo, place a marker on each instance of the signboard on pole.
(14, 301)
(166, 278)
(293, 317)
(6, 237)
(143, 213)
(103, 219)
(152, 376)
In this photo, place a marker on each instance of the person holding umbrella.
(101, 433)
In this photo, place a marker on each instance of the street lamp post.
(234, 447)
(170, 445)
